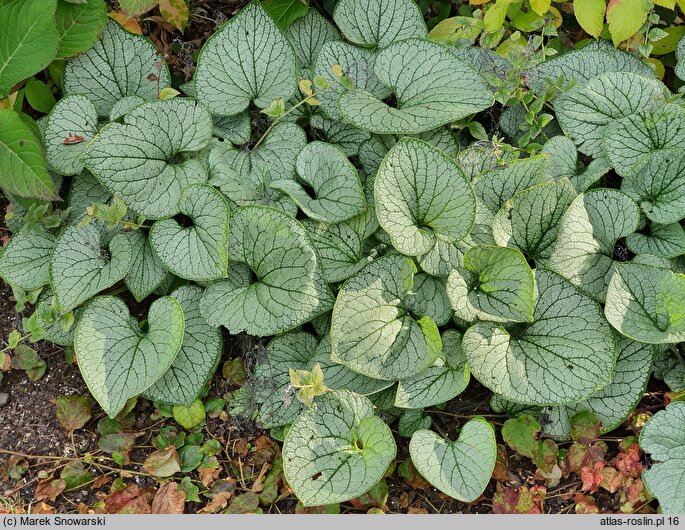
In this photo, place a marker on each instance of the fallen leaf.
(519, 500)
(131, 499)
(265, 451)
(246, 503)
(592, 476)
(169, 499)
(208, 475)
(163, 463)
(240, 448)
(101, 481)
(129, 24)
(628, 461)
(585, 504)
(175, 12)
(258, 484)
(43, 508)
(501, 471)
(416, 511)
(49, 489)
(75, 474)
(218, 502)
(73, 412)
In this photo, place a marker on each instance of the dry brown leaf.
(208, 475)
(49, 489)
(218, 502)
(169, 499)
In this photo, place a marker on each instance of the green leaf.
(419, 72)
(148, 144)
(29, 42)
(530, 220)
(565, 355)
(163, 463)
(54, 327)
(337, 450)
(667, 241)
(22, 165)
(105, 73)
(81, 265)
(198, 252)
(625, 17)
(136, 7)
(379, 22)
(39, 95)
(75, 475)
(584, 250)
(373, 331)
(446, 378)
(71, 125)
(308, 34)
(460, 469)
(521, 434)
(647, 303)
(337, 193)
(285, 12)
(585, 111)
(248, 60)
(590, 15)
(422, 195)
(495, 283)
(79, 25)
(496, 186)
(197, 359)
(441, 259)
(26, 259)
(289, 289)
(191, 415)
(348, 137)
(147, 272)
(660, 188)
(119, 361)
(663, 438)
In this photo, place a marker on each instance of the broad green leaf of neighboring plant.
(337, 194)
(625, 18)
(588, 231)
(373, 329)
(629, 142)
(590, 15)
(659, 186)
(81, 266)
(530, 220)
(22, 165)
(379, 22)
(308, 34)
(120, 64)
(647, 303)
(337, 450)
(118, 357)
(565, 355)
(289, 288)
(197, 359)
(430, 298)
(198, 252)
(495, 283)
(147, 272)
(666, 241)
(248, 60)
(460, 469)
(79, 25)
(422, 195)
(29, 42)
(26, 259)
(663, 438)
(584, 111)
(496, 186)
(446, 378)
(285, 12)
(71, 125)
(139, 159)
(136, 7)
(432, 87)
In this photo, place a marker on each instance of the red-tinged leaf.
(585, 504)
(49, 489)
(592, 476)
(521, 500)
(585, 427)
(169, 499)
(73, 412)
(217, 503)
(628, 461)
(635, 492)
(612, 479)
(580, 456)
(175, 12)
(545, 455)
(129, 24)
(163, 463)
(131, 499)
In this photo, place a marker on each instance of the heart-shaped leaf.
(26, 260)
(336, 450)
(421, 194)
(379, 22)
(147, 272)
(446, 378)
(308, 34)
(197, 359)
(85, 190)
(337, 191)
(495, 283)
(432, 87)
(81, 266)
(79, 25)
(565, 355)
(647, 303)
(198, 252)
(248, 60)
(348, 137)
(137, 159)
(460, 469)
(117, 359)
(430, 298)
(373, 330)
(71, 124)
(663, 438)
(120, 64)
(289, 289)
(666, 241)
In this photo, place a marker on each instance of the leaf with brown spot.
(580, 456)
(246, 503)
(585, 427)
(49, 489)
(265, 451)
(131, 499)
(545, 455)
(163, 463)
(208, 475)
(519, 500)
(628, 461)
(175, 12)
(274, 477)
(169, 499)
(129, 24)
(217, 503)
(73, 412)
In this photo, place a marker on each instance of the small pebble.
(4, 398)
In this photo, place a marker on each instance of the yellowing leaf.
(495, 16)
(540, 6)
(306, 87)
(590, 15)
(659, 68)
(130, 24)
(668, 43)
(168, 93)
(670, 4)
(625, 17)
(136, 7)
(175, 12)
(337, 70)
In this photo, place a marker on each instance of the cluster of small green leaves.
(388, 260)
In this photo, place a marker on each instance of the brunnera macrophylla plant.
(315, 187)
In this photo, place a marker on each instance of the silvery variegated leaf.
(308, 34)
(667, 241)
(147, 272)
(26, 258)
(85, 190)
